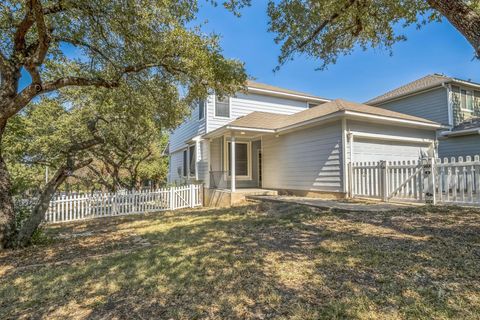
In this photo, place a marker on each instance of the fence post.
(172, 198)
(385, 179)
(434, 182)
(192, 202)
(350, 180)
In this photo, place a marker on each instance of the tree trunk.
(7, 211)
(38, 213)
(463, 17)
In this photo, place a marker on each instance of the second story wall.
(243, 104)
(191, 127)
(431, 105)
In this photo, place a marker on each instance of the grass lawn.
(251, 262)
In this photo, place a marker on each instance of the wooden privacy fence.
(72, 207)
(454, 181)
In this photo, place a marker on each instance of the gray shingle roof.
(430, 81)
(427, 82)
(273, 121)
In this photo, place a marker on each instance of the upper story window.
(222, 107)
(466, 99)
(201, 109)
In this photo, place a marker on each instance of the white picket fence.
(458, 180)
(451, 181)
(73, 207)
(387, 180)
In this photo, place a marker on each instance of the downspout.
(448, 87)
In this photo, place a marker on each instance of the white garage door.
(376, 150)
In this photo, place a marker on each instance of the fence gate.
(393, 180)
(447, 181)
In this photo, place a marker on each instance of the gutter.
(458, 133)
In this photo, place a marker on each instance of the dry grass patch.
(252, 262)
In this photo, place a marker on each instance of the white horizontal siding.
(459, 146)
(176, 161)
(243, 104)
(202, 161)
(381, 148)
(431, 105)
(366, 150)
(309, 159)
(190, 128)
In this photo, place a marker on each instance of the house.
(453, 102)
(287, 141)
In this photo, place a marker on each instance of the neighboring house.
(289, 141)
(452, 102)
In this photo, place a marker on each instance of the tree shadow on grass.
(257, 262)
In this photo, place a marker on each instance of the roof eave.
(405, 122)
(289, 95)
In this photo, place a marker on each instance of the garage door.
(376, 150)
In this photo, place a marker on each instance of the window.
(201, 109)
(184, 163)
(191, 151)
(466, 99)
(222, 107)
(241, 159)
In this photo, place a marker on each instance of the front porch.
(235, 167)
(235, 160)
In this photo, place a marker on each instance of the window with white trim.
(222, 107)
(466, 99)
(201, 109)
(241, 159)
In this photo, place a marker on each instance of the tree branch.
(80, 43)
(324, 24)
(22, 29)
(43, 37)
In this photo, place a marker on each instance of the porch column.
(232, 162)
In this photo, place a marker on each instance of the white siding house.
(274, 142)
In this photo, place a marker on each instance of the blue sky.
(437, 48)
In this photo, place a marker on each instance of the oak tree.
(116, 41)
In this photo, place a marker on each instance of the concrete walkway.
(337, 205)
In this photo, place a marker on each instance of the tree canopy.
(327, 29)
(149, 47)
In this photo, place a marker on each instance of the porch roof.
(273, 122)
